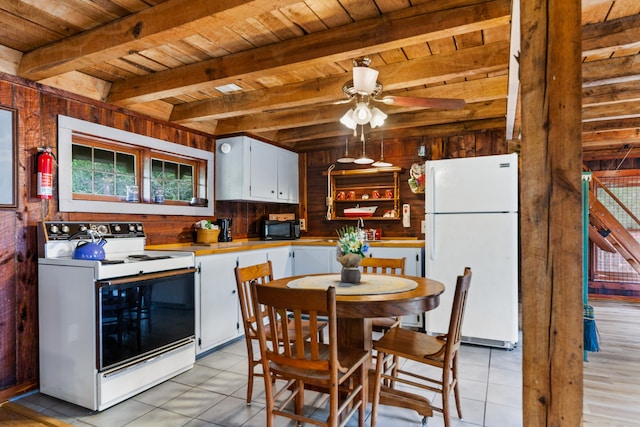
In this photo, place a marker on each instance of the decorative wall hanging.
(416, 182)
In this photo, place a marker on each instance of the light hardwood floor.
(612, 375)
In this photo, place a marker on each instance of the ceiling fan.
(365, 87)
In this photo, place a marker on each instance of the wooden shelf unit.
(366, 181)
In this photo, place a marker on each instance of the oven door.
(140, 315)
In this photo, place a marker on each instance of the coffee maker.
(224, 224)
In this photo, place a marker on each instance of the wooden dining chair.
(372, 265)
(259, 273)
(439, 351)
(302, 361)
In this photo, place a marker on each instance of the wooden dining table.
(377, 295)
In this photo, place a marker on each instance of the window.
(102, 169)
(174, 180)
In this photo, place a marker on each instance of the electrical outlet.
(303, 224)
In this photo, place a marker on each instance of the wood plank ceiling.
(290, 59)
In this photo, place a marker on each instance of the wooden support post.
(551, 78)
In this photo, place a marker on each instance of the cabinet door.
(413, 262)
(264, 161)
(280, 261)
(287, 176)
(217, 315)
(412, 267)
(310, 260)
(246, 258)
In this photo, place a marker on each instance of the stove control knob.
(139, 227)
(54, 229)
(117, 227)
(83, 228)
(102, 229)
(132, 227)
(65, 229)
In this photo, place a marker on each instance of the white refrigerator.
(471, 220)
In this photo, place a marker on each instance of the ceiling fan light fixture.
(377, 117)
(364, 80)
(348, 120)
(362, 113)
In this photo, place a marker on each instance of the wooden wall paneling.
(8, 310)
(7, 277)
(30, 211)
(551, 225)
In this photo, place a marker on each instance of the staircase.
(609, 235)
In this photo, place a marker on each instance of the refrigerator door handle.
(432, 243)
(432, 192)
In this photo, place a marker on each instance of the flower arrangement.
(205, 224)
(351, 240)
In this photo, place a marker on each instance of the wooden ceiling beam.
(608, 111)
(610, 93)
(476, 60)
(611, 70)
(610, 125)
(148, 28)
(476, 90)
(477, 111)
(445, 129)
(611, 36)
(406, 27)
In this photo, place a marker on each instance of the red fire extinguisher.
(45, 174)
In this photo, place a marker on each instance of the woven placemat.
(370, 284)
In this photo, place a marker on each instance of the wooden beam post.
(551, 230)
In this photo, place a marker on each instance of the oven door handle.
(147, 276)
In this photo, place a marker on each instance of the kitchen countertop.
(247, 245)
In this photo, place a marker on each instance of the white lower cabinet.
(218, 309)
(413, 258)
(314, 260)
(412, 267)
(281, 261)
(218, 317)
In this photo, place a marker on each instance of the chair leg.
(251, 369)
(456, 394)
(363, 395)
(376, 388)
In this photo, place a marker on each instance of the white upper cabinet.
(248, 169)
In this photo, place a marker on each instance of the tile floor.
(213, 394)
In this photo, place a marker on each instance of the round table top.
(423, 297)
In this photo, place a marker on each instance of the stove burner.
(111, 261)
(144, 257)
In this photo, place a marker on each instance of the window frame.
(70, 128)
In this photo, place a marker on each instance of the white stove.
(111, 328)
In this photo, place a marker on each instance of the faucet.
(360, 223)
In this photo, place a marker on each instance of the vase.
(350, 272)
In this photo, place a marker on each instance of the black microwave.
(280, 230)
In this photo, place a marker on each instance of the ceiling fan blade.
(407, 101)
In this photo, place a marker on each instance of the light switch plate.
(423, 226)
